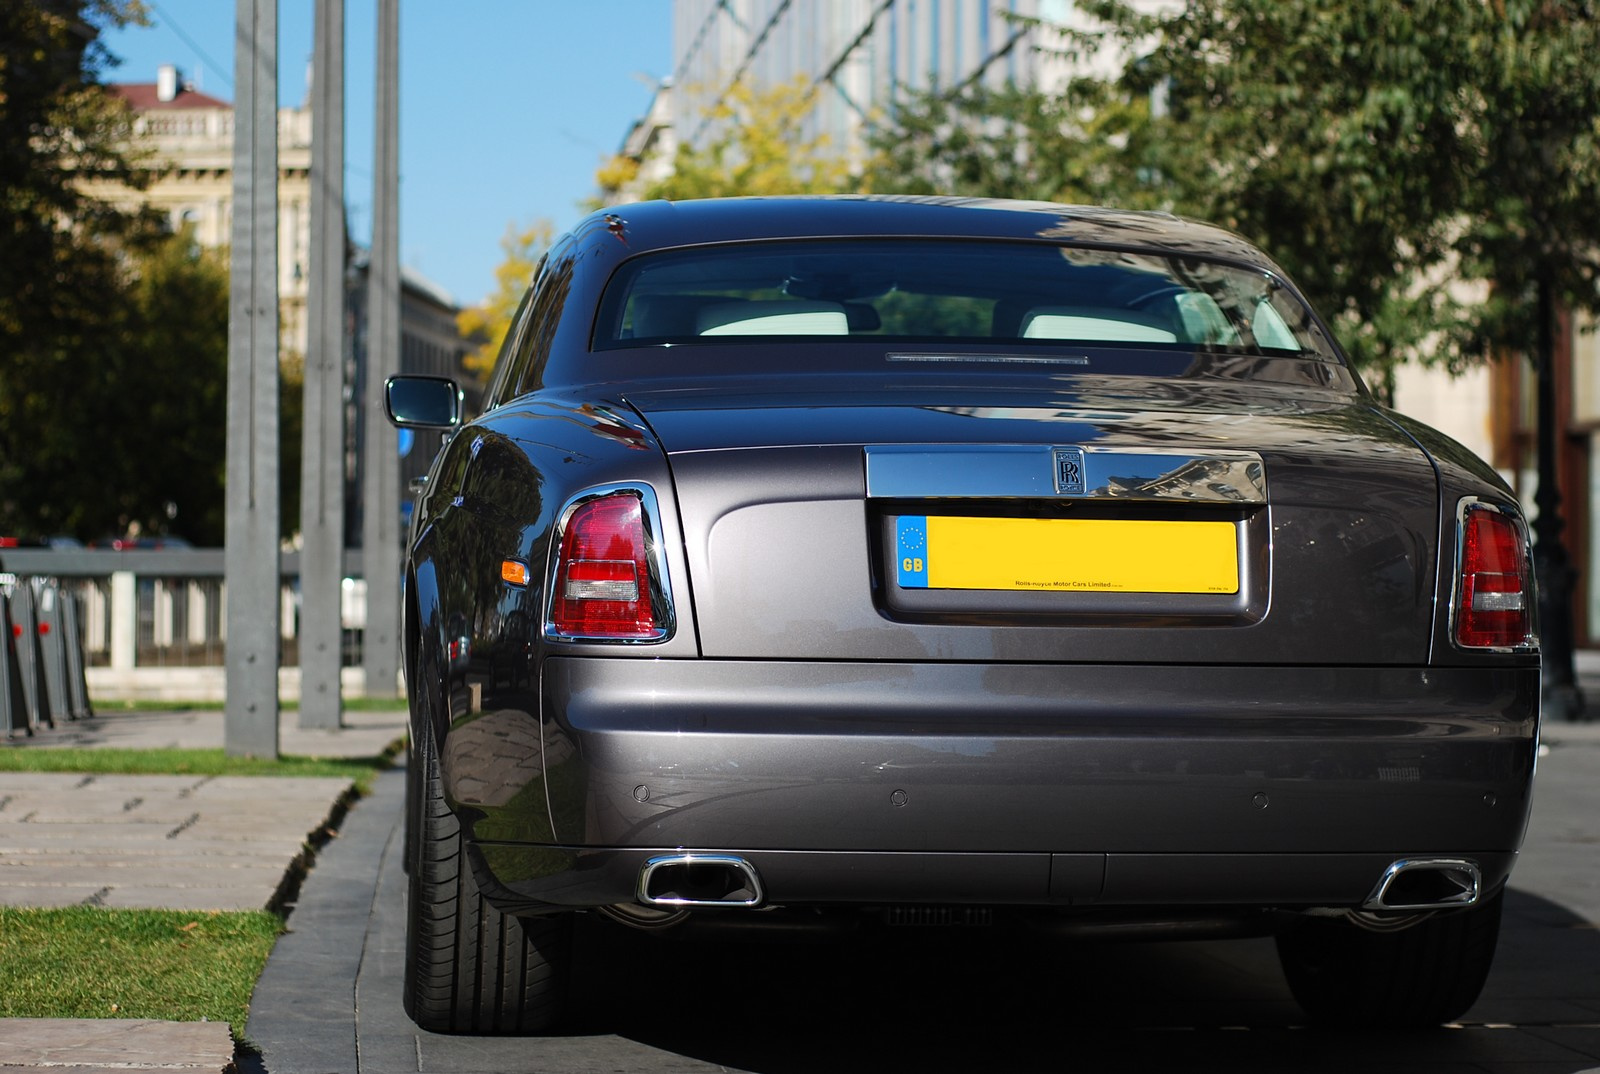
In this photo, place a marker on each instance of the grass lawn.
(350, 704)
(169, 965)
(360, 770)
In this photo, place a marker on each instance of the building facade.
(857, 55)
(851, 58)
(188, 136)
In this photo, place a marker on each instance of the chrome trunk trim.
(1011, 471)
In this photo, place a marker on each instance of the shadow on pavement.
(943, 1003)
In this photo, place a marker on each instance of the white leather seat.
(1095, 325)
(778, 317)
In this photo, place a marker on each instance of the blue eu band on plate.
(912, 546)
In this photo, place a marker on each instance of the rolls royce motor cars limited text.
(858, 561)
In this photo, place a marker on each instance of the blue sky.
(507, 107)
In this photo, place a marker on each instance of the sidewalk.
(161, 841)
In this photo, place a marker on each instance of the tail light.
(608, 578)
(1494, 584)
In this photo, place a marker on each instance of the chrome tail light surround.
(1478, 597)
(656, 587)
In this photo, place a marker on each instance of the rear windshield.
(917, 291)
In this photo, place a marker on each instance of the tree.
(1389, 150)
(1014, 142)
(57, 124)
(173, 392)
(64, 257)
(121, 422)
(758, 146)
(1385, 153)
(488, 323)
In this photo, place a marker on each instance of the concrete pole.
(380, 447)
(250, 561)
(322, 460)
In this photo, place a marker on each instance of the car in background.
(60, 543)
(142, 544)
(896, 561)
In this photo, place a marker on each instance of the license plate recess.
(1067, 555)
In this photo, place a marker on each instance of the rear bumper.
(1000, 783)
(520, 878)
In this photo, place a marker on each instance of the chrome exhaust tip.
(1427, 884)
(677, 880)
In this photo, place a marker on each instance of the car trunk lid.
(1189, 524)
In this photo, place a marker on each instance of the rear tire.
(469, 967)
(1422, 976)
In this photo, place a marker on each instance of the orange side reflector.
(514, 571)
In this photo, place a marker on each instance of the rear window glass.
(956, 292)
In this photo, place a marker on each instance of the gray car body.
(1074, 752)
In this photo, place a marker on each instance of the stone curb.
(86, 1045)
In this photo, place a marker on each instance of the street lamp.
(1562, 697)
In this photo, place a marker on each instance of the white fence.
(155, 624)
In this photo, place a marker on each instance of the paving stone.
(25, 897)
(189, 842)
(114, 1044)
(131, 841)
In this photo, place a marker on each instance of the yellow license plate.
(1067, 554)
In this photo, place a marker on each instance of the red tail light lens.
(604, 583)
(1494, 591)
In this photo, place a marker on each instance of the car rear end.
(1135, 611)
(1226, 693)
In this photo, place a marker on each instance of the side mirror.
(416, 402)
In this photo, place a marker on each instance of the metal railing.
(148, 610)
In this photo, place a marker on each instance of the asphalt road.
(330, 999)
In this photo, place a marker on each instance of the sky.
(507, 107)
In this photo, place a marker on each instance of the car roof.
(659, 225)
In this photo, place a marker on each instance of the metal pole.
(322, 460)
(1563, 700)
(381, 471)
(250, 559)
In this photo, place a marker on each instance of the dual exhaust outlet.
(676, 881)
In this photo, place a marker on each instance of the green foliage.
(351, 704)
(117, 416)
(166, 965)
(1016, 143)
(906, 314)
(57, 123)
(359, 770)
(114, 336)
(1421, 169)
